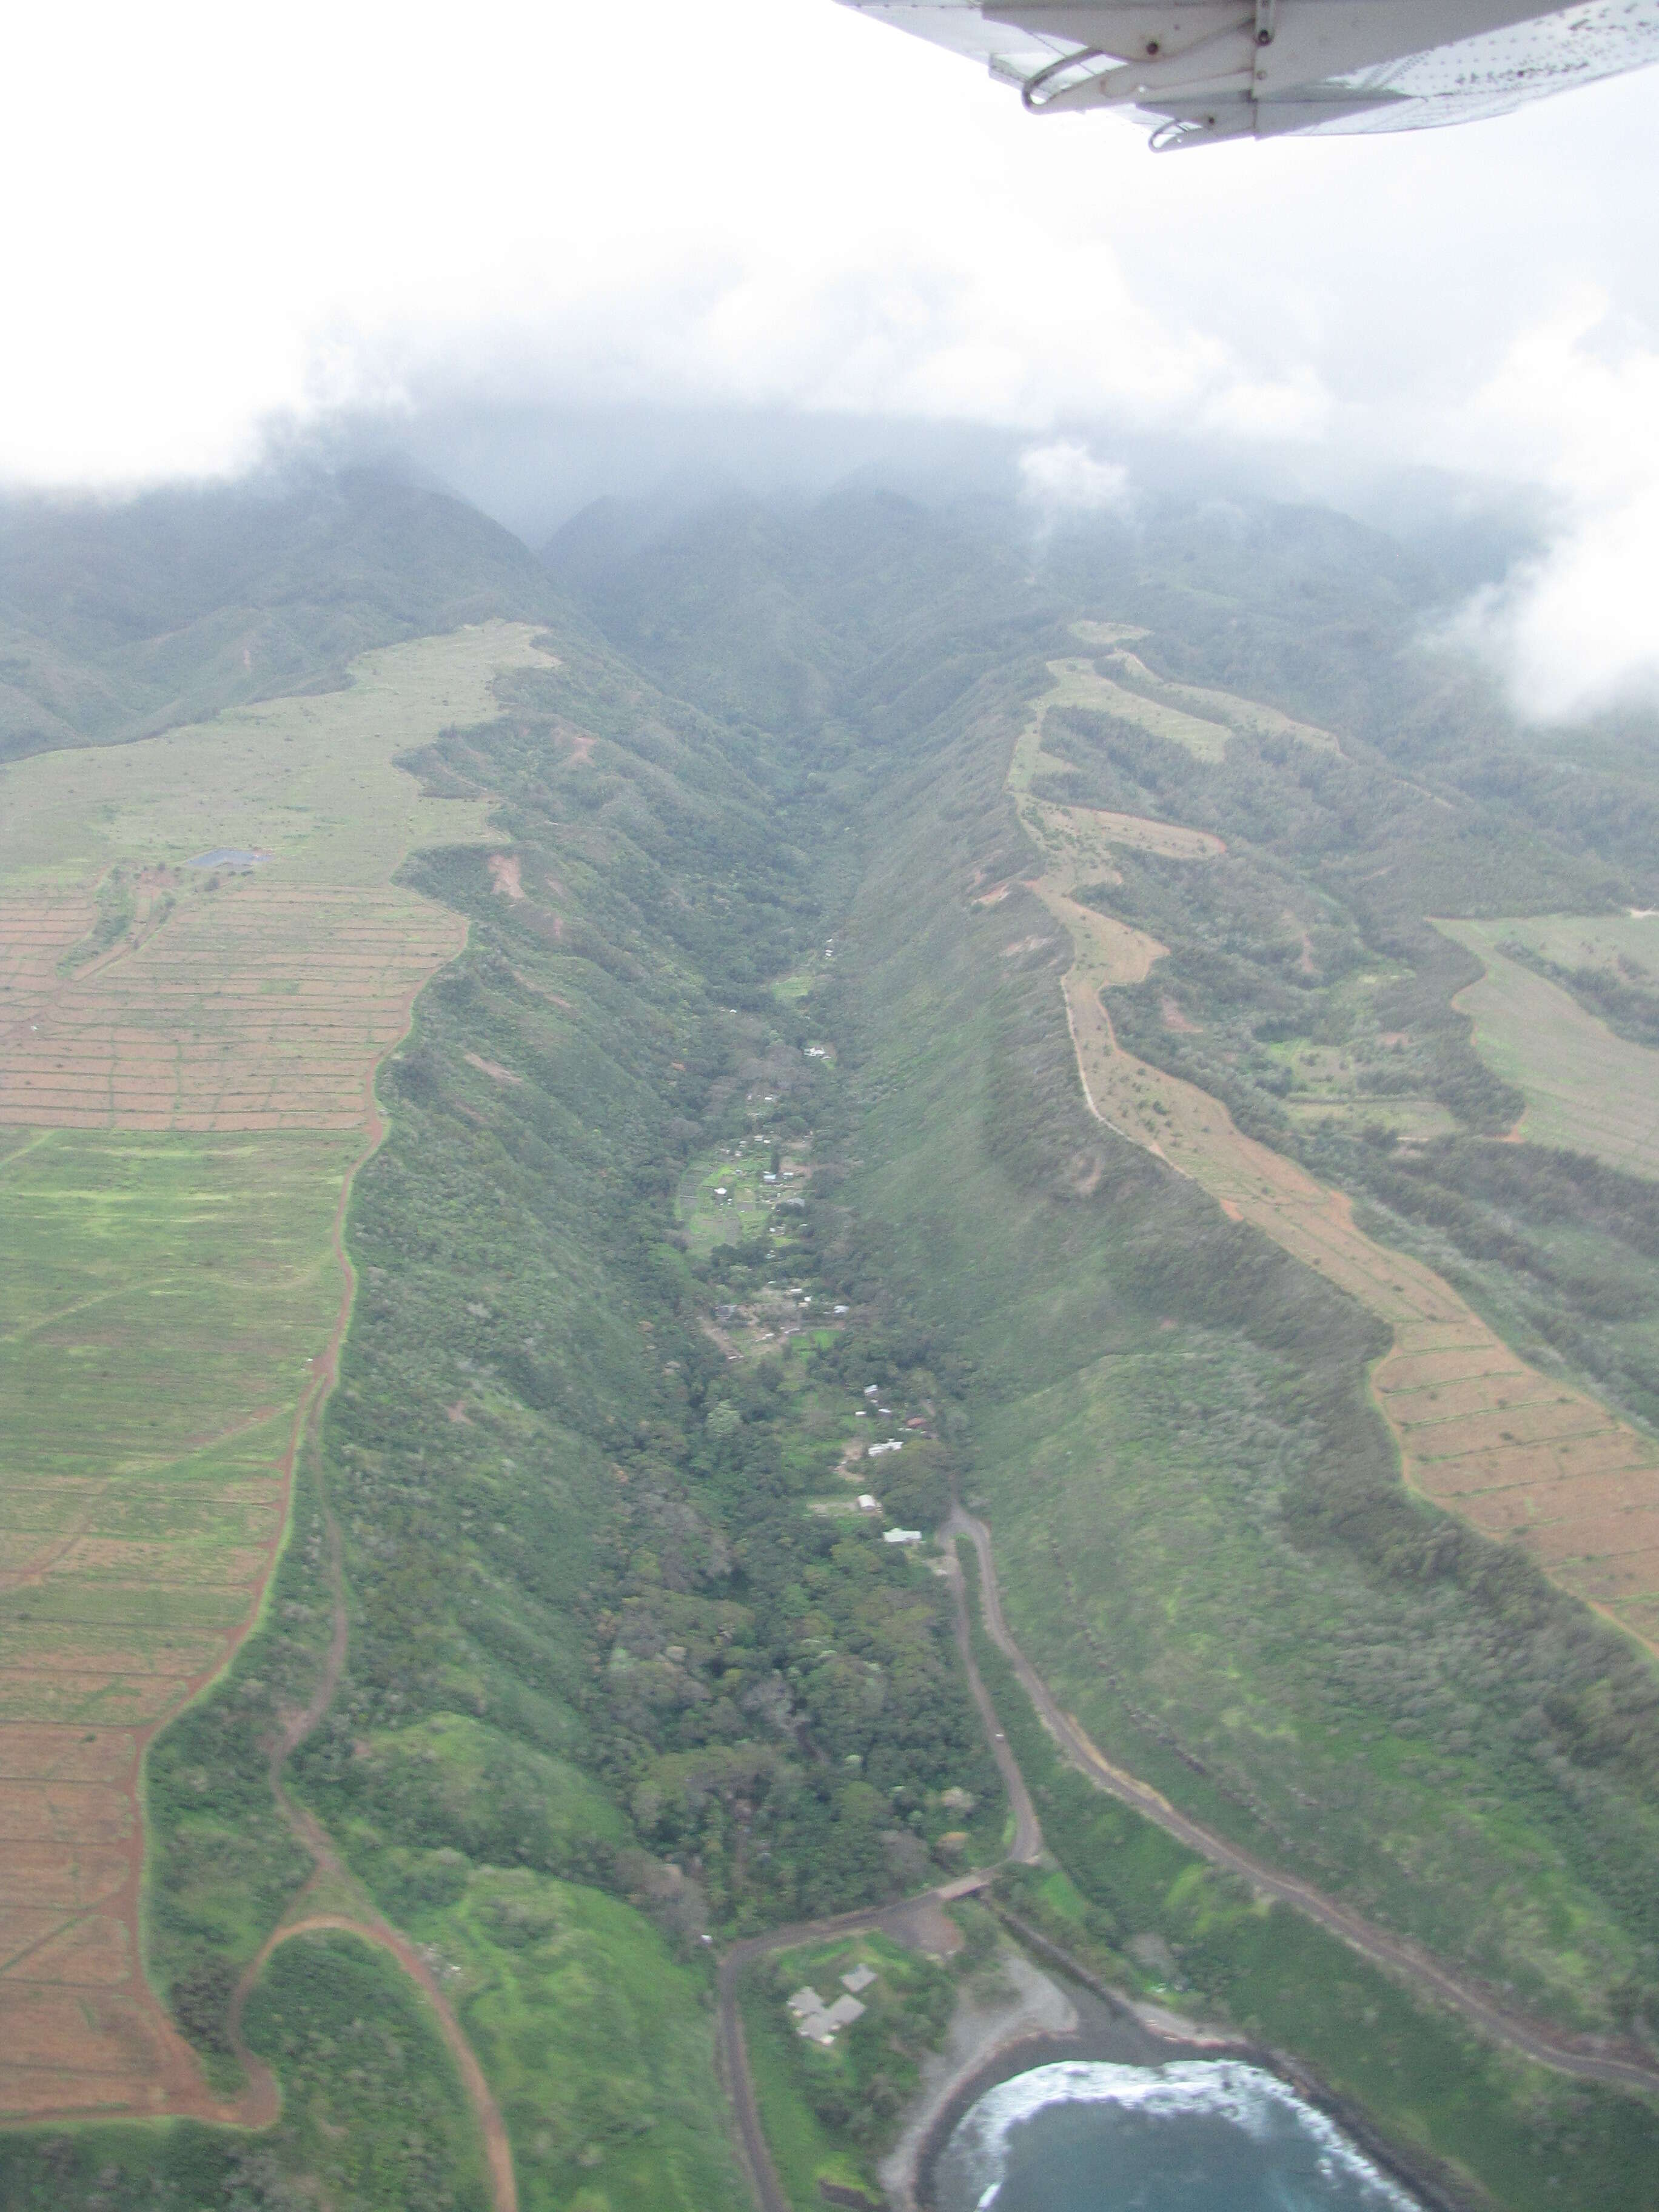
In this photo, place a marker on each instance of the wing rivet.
(1152, 46)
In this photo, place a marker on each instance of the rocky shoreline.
(1110, 2028)
(1038, 2023)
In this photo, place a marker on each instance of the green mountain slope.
(1172, 1421)
(119, 620)
(753, 1092)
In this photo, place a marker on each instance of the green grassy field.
(161, 1301)
(1248, 717)
(1586, 1088)
(1613, 943)
(311, 780)
(594, 2035)
(1153, 708)
(185, 1089)
(729, 1200)
(1171, 1423)
(1512, 2132)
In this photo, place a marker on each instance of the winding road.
(1026, 1848)
(1396, 1955)
(262, 2102)
(733, 2051)
(1406, 1961)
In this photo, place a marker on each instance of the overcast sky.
(219, 219)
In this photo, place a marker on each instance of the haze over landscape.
(828, 1140)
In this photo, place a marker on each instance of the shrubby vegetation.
(117, 620)
(1171, 1429)
(224, 1862)
(1525, 2135)
(597, 1640)
(829, 2113)
(767, 1700)
(372, 2112)
(1258, 1618)
(612, 1686)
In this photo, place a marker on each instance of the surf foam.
(1223, 2089)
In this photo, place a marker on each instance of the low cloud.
(1064, 477)
(790, 212)
(1579, 628)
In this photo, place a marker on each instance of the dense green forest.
(624, 1680)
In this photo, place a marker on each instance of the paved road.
(734, 2052)
(1025, 1850)
(1027, 1846)
(1406, 1961)
(1397, 1956)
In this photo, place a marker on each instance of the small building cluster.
(820, 2023)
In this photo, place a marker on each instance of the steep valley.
(994, 1031)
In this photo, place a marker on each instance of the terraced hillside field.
(1201, 702)
(1151, 707)
(1586, 1088)
(188, 1046)
(1520, 1455)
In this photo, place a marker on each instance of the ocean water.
(1198, 2135)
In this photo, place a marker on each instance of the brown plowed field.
(34, 935)
(191, 1104)
(1520, 1455)
(263, 1006)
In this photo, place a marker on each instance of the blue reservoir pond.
(1195, 2135)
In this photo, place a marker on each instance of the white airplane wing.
(1198, 70)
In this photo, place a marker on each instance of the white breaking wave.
(1221, 2088)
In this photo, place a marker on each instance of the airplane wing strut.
(1199, 70)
